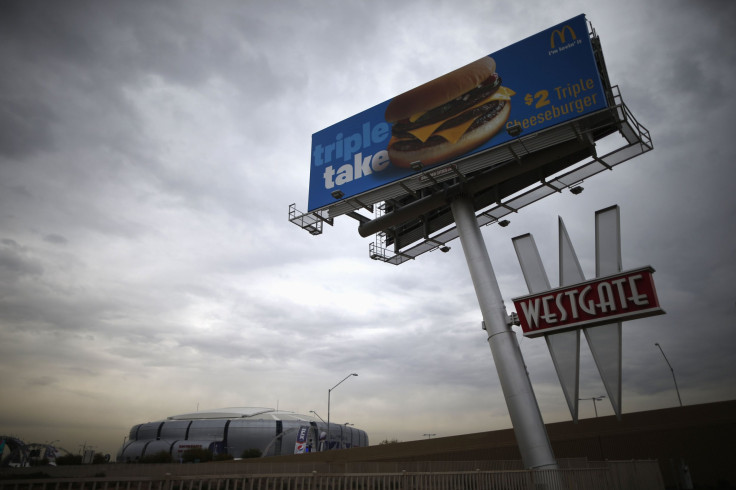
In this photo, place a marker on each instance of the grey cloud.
(56, 239)
(25, 125)
(42, 381)
(17, 261)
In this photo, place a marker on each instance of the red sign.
(624, 296)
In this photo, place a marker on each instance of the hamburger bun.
(440, 90)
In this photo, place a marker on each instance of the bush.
(223, 457)
(156, 458)
(251, 453)
(196, 455)
(74, 459)
(69, 459)
(100, 458)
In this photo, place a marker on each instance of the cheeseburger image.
(448, 116)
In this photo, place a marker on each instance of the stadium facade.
(236, 430)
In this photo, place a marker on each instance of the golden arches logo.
(560, 33)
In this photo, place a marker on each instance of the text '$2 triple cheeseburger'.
(449, 115)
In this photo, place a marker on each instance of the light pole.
(323, 420)
(328, 406)
(595, 399)
(672, 370)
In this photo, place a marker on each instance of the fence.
(623, 475)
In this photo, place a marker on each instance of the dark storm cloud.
(25, 125)
(16, 261)
(74, 64)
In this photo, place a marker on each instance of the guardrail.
(625, 475)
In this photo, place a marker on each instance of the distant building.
(235, 430)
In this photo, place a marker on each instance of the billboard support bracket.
(408, 190)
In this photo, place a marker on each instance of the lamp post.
(329, 392)
(672, 370)
(595, 399)
(323, 420)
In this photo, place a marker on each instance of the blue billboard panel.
(545, 80)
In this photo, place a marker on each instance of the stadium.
(237, 430)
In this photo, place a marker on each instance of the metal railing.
(624, 475)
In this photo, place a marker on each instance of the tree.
(251, 453)
(100, 458)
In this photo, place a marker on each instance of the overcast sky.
(149, 151)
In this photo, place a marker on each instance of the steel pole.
(329, 392)
(672, 371)
(531, 434)
(327, 439)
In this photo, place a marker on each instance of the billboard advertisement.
(539, 82)
(624, 296)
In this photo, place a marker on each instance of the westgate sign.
(624, 296)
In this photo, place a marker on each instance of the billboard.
(624, 296)
(547, 79)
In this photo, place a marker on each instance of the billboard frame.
(570, 148)
(636, 141)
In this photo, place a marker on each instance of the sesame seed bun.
(440, 90)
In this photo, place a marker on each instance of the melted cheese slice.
(423, 133)
(503, 93)
(455, 133)
(417, 116)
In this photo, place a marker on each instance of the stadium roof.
(241, 412)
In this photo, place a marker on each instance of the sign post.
(531, 434)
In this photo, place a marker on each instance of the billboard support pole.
(531, 434)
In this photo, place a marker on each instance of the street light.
(595, 399)
(312, 411)
(673, 372)
(328, 406)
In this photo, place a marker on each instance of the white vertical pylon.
(564, 347)
(605, 340)
(570, 273)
